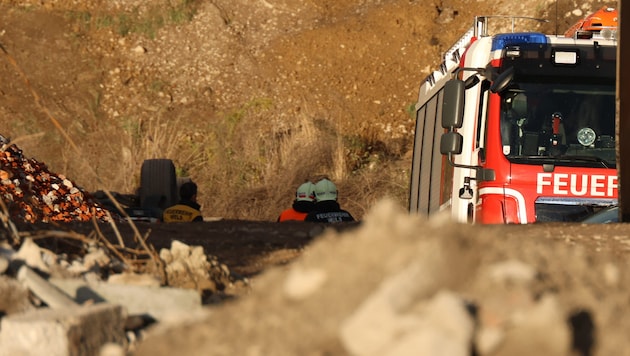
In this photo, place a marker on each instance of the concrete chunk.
(62, 332)
(157, 302)
(13, 296)
(51, 295)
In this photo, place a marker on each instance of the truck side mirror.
(451, 143)
(453, 104)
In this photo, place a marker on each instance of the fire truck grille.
(553, 212)
(566, 212)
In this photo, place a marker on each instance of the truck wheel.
(158, 184)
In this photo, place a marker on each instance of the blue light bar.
(513, 39)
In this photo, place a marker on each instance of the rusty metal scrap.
(34, 194)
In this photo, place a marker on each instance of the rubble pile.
(55, 293)
(34, 194)
(52, 297)
(189, 267)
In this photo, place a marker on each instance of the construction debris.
(57, 320)
(32, 193)
(73, 331)
(188, 267)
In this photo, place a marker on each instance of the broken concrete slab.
(158, 302)
(62, 332)
(50, 294)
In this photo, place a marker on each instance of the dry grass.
(246, 167)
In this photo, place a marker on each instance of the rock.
(14, 298)
(157, 302)
(611, 274)
(51, 295)
(301, 283)
(134, 279)
(189, 267)
(111, 349)
(512, 271)
(96, 259)
(539, 330)
(4, 264)
(74, 331)
(31, 254)
(445, 329)
(488, 339)
(139, 50)
(448, 312)
(380, 319)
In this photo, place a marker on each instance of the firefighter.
(326, 209)
(302, 205)
(187, 209)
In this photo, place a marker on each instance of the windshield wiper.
(567, 159)
(595, 159)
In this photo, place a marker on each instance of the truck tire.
(158, 185)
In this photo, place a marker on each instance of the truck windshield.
(560, 124)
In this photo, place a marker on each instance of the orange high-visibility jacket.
(292, 214)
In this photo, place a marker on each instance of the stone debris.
(188, 267)
(59, 332)
(397, 285)
(50, 301)
(32, 193)
(13, 296)
(154, 302)
(50, 295)
(4, 264)
(301, 283)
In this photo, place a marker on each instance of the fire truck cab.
(519, 127)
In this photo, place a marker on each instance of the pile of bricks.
(31, 193)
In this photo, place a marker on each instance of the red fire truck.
(525, 124)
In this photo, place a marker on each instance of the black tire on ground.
(158, 184)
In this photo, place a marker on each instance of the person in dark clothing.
(302, 205)
(326, 209)
(187, 209)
